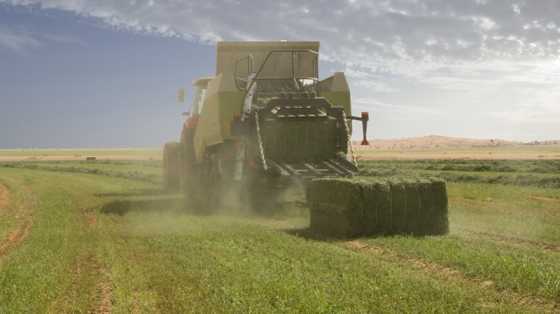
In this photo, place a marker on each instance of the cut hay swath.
(351, 207)
(171, 166)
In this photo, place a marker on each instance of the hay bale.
(368, 206)
(377, 208)
(336, 207)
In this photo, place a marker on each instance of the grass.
(223, 265)
(522, 269)
(33, 154)
(538, 173)
(35, 274)
(106, 235)
(149, 171)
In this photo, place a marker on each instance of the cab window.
(198, 100)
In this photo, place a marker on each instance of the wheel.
(204, 191)
(171, 166)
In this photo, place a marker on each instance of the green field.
(37, 154)
(102, 237)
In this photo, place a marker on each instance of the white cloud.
(395, 29)
(21, 40)
(471, 55)
(16, 40)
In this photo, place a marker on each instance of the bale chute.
(344, 207)
(171, 166)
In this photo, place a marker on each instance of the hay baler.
(264, 116)
(263, 120)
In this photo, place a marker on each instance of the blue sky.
(81, 83)
(96, 73)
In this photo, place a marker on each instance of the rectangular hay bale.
(366, 206)
(340, 200)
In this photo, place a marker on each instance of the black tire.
(171, 166)
(205, 188)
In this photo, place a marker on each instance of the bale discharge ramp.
(350, 207)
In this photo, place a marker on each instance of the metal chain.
(259, 142)
(349, 138)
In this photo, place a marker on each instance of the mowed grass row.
(152, 258)
(149, 171)
(522, 166)
(538, 173)
(507, 232)
(132, 153)
(525, 270)
(508, 235)
(225, 264)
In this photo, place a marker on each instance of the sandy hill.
(436, 141)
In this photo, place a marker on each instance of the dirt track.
(15, 237)
(4, 197)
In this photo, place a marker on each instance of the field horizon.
(425, 147)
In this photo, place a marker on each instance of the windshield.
(289, 64)
(281, 70)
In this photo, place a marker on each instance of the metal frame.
(270, 53)
(250, 59)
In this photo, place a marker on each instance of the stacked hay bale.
(171, 166)
(336, 206)
(344, 207)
